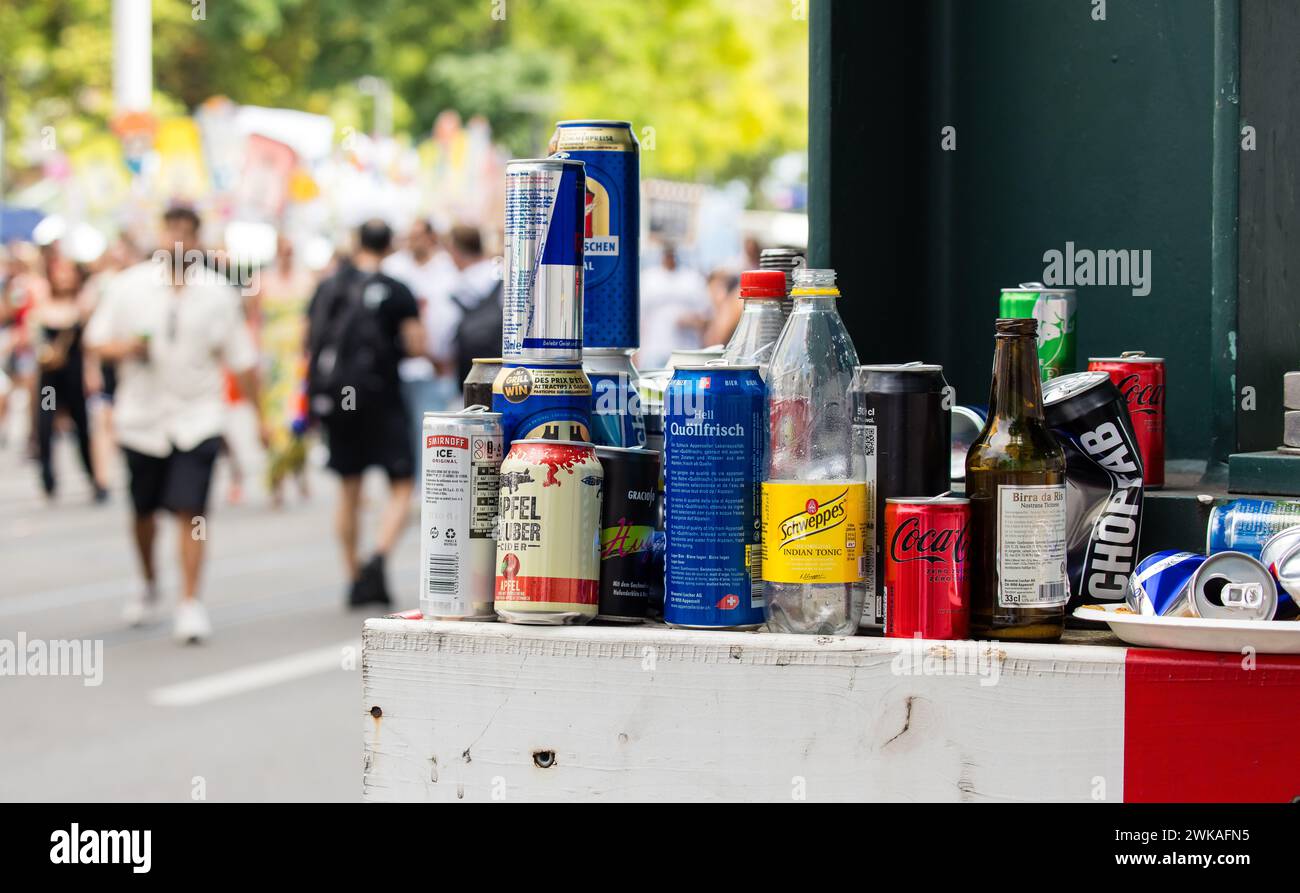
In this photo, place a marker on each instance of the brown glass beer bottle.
(1015, 478)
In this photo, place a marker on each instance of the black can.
(902, 434)
(478, 384)
(629, 515)
(1103, 486)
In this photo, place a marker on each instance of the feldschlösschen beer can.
(902, 429)
(459, 467)
(629, 515)
(548, 533)
(715, 436)
(546, 401)
(542, 294)
(1103, 485)
(612, 227)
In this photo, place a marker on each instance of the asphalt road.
(268, 710)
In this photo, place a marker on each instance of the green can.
(1055, 309)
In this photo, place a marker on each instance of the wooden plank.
(494, 711)
(1268, 336)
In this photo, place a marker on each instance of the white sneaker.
(191, 622)
(140, 607)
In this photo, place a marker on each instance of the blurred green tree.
(716, 88)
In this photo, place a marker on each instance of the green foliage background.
(723, 83)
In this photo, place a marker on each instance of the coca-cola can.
(927, 593)
(1141, 379)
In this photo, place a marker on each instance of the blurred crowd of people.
(153, 359)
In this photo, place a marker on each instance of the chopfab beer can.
(1223, 586)
(543, 401)
(1055, 309)
(927, 593)
(1103, 475)
(1141, 379)
(629, 516)
(548, 533)
(611, 229)
(616, 417)
(542, 294)
(715, 437)
(902, 433)
(478, 383)
(459, 468)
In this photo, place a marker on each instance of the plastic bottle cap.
(762, 284)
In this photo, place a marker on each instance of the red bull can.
(542, 295)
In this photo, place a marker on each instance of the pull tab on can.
(1242, 596)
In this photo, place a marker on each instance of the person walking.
(281, 296)
(172, 328)
(361, 324)
(428, 271)
(473, 328)
(58, 315)
(675, 308)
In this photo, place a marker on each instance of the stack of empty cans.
(1291, 418)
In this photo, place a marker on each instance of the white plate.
(1195, 633)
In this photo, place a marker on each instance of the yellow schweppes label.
(814, 533)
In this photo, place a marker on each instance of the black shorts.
(177, 482)
(378, 438)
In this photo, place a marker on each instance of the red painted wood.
(1201, 727)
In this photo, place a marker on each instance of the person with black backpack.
(361, 325)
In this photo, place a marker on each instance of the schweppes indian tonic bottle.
(814, 509)
(1015, 478)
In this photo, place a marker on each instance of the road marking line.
(253, 677)
(223, 569)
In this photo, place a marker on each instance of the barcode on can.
(754, 558)
(444, 574)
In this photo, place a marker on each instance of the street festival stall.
(772, 572)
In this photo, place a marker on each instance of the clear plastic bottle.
(761, 320)
(815, 496)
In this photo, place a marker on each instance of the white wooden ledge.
(484, 711)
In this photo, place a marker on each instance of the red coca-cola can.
(927, 593)
(1141, 379)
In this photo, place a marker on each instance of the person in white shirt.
(171, 337)
(675, 307)
(428, 382)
